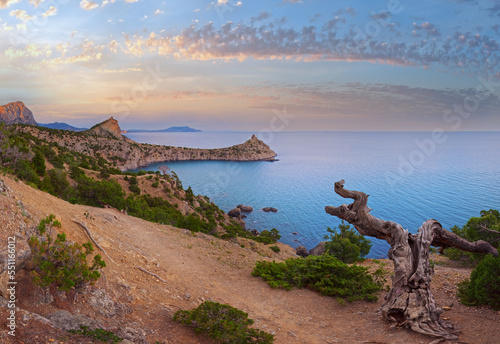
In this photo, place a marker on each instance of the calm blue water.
(410, 177)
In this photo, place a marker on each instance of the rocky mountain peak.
(110, 126)
(16, 113)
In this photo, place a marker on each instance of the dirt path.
(200, 267)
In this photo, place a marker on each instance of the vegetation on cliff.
(94, 180)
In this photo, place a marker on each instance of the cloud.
(21, 15)
(36, 2)
(88, 5)
(495, 10)
(158, 11)
(463, 52)
(348, 10)
(428, 28)
(263, 15)
(7, 3)
(52, 11)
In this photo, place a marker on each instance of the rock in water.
(301, 251)
(234, 212)
(270, 209)
(245, 208)
(318, 250)
(16, 113)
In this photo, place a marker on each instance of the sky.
(278, 65)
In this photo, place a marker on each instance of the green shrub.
(223, 323)
(39, 163)
(24, 171)
(59, 183)
(135, 189)
(275, 249)
(483, 288)
(346, 245)
(268, 237)
(58, 262)
(325, 274)
(486, 227)
(97, 334)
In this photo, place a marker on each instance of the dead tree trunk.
(410, 302)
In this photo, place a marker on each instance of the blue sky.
(248, 65)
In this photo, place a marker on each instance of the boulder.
(245, 208)
(255, 232)
(65, 321)
(270, 209)
(234, 212)
(318, 250)
(301, 251)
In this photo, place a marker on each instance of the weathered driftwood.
(410, 302)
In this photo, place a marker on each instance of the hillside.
(196, 267)
(106, 140)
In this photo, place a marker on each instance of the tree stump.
(410, 302)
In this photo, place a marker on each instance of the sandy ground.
(197, 267)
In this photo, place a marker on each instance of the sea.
(410, 177)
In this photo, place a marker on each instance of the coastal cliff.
(106, 140)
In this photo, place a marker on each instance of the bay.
(410, 177)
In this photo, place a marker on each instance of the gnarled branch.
(410, 301)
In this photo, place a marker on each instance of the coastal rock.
(270, 209)
(245, 208)
(255, 232)
(318, 250)
(302, 251)
(16, 113)
(234, 212)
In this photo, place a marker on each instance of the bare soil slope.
(197, 268)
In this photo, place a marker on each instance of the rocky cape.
(106, 139)
(16, 113)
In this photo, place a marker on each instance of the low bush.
(346, 244)
(268, 237)
(58, 262)
(97, 334)
(223, 323)
(483, 287)
(324, 274)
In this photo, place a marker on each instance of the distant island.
(61, 126)
(184, 129)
